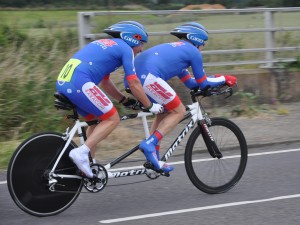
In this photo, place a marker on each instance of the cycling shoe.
(82, 161)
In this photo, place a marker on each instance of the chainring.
(99, 181)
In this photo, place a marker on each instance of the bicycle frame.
(194, 112)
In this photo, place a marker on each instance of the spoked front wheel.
(28, 173)
(216, 175)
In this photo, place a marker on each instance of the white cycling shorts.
(161, 92)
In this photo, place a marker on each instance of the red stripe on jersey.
(131, 77)
(106, 77)
(185, 78)
(201, 79)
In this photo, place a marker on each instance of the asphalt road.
(268, 194)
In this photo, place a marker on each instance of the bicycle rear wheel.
(213, 175)
(28, 170)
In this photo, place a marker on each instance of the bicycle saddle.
(62, 102)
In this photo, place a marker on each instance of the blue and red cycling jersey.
(101, 57)
(172, 59)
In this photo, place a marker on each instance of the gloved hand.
(130, 103)
(230, 80)
(156, 108)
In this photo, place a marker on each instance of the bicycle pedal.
(165, 174)
(149, 165)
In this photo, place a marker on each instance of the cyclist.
(160, 63)
(91, 66)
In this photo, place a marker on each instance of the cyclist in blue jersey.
(162, 62)
(92, 65)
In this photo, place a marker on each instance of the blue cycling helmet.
(194, 32)
(133, 33)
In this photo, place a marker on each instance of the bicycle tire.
(27, 175)
(213, 175)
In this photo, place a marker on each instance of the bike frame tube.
(146, 128)
(124, 156)
(126, 173)
(70, 136)
(79, 131)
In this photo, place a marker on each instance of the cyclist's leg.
(89, 131)
(102, 130)
(92, 102)
(160, 92)
(166, 123)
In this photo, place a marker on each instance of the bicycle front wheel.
(213, 175)
(27, 175)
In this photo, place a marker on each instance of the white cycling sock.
(84, 149)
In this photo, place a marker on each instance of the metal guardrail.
(85, 35)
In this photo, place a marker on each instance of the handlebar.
(139, 106)
(223, 89)
(212, 91)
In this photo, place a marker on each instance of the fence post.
(269, 37)
(83, 28)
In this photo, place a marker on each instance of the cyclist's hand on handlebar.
(130, 103)
(156, 108)
(230, 80)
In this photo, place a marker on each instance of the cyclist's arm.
(137, 90)
(188, 80)
(109, 87)
(133, 82)
(200, 76)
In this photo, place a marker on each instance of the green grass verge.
(6, 151)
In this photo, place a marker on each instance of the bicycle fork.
(209, 140)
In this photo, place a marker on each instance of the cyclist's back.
(101, 57)
(169, 59)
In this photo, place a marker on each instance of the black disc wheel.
(28, 174)
(214, 175)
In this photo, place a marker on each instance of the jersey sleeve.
(200, 76)
(187, 79)
(128, 65)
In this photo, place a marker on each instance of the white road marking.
(198, 209)
(202, 160)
